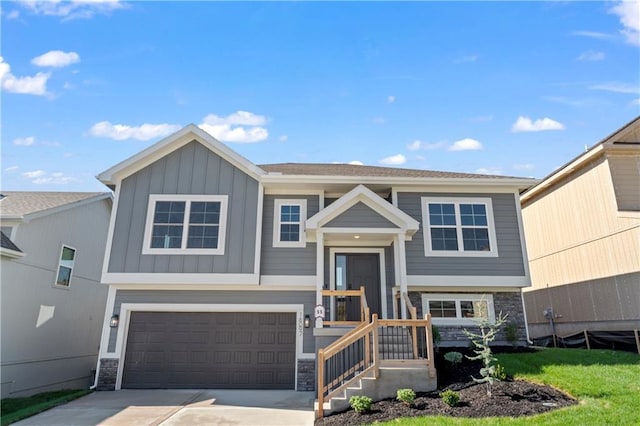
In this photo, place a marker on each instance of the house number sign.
(319, 311)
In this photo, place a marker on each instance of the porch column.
(319, 274)
(401, 264)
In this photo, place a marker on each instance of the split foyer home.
(226, 274)
(52, 302)
(582, 224)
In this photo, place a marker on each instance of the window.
(185, 224)
(458, 227)
(458, 309)
(288, 223)
(65, 266)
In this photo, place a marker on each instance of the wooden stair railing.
(365, 314)
(358, 351)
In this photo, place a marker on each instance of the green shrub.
(453, 357)
(449, 397)
(481, 341)
(360, 404)
(511, 333)
(499, 373)
(407, 396)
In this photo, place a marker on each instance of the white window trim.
(457, 298)
(426, 229)
(279, 202)
(222, 229)
(73, 265)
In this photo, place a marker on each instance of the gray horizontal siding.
(286, 260)
(625, 172)
(307, 298)
(360, 216)
(508, 263)
(192, 169)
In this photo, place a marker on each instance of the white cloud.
(629, 14)
(592, 34)
(56, 59)
(525, 124)
(34, 174)
(489, 171)
(28, 141)
(468, 58)
(71, 9)
(379, 120)
(591, 56)
(283, 138)
(14, 14)
(391, 99)
(635, 102)
(356, 163)
(418, 145)
(120, 132)
(617, 87)
(11, 169)
(524, 166)
(394, 160)
(57, 178)
(571, 102)
(466, 144)
(36, 85)
(241, 126)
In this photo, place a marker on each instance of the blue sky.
(512, 88)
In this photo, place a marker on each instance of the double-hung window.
(458, 309)
(185, 224)
(288, 223)
(65, 266)
(458, 227)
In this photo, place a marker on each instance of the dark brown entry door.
(363, 269)
(200, 350)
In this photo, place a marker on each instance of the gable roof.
(7, 247)
(23, 204)
(362, 194)
(611, 142)
(331, 169)
(169, 144)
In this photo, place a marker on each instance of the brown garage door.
(206, 350)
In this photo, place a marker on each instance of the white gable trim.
(171, 143)
(362, 194)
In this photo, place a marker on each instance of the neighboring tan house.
(226, 274)
(52, 302)
(582, 225)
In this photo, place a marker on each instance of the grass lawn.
(14, 409)
(606, 384)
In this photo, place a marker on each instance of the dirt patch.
(509, 398)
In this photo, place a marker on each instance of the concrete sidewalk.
(182, 407)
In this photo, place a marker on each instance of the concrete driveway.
(182, 407)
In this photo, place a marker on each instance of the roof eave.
(520, 183)
(113, 175)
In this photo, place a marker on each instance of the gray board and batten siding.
(192, 169)
(509, 262)
(217, 297)
(286, 260)
(360, 216)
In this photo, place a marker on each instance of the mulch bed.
(510, 398)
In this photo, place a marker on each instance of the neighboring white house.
(582, 224)
(52, 302)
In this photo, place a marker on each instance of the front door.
(355, 270)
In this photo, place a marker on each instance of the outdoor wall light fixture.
(307, 321)
(115, 320)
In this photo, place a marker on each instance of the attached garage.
(209, 350)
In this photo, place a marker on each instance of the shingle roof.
(6, 243)
(23, 203)
(365, 171)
